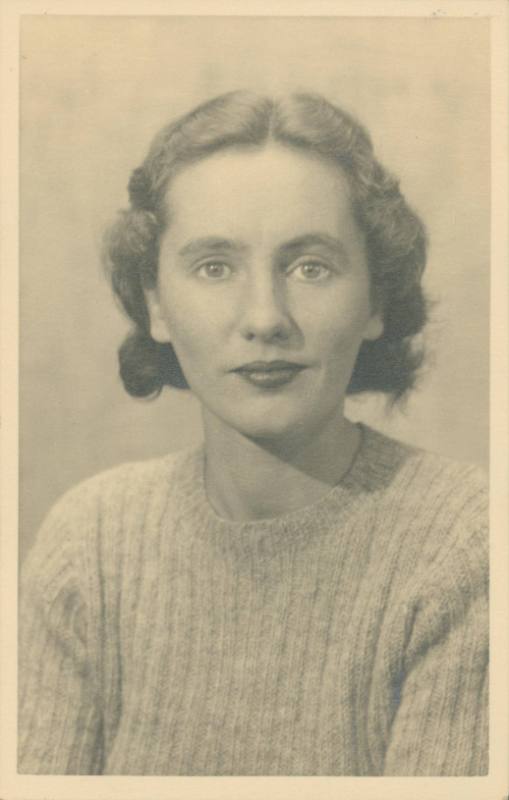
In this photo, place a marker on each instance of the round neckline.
(370, 463)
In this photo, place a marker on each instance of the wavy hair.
(395, 236)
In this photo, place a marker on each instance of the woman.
(301, 595)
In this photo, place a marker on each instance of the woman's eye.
(310, 271)
(214, 270)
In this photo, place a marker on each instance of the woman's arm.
(441, 723)
(59, 722)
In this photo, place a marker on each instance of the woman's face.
(263, 289)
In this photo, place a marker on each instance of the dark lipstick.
(269, 374)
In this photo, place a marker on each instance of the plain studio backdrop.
(94, 92)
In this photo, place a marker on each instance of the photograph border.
(494, 786)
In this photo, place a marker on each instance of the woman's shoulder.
(128, 481)
(433, 510)
(428, 489)
(388, 458)
(109, 504)
(109, 522)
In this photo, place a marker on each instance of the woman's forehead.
(264, 191)
(273, 160)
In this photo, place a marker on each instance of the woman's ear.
(374, 327)
(158, 322)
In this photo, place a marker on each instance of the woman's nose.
(265, 314)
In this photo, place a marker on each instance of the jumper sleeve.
(441, 724)
(59, 720)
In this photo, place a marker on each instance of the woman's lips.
(269, 374)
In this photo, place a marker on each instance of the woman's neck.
(247, 479)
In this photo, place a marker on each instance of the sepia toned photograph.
(254, 396)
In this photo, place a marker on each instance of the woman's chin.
(273, 432)
(285, 420)
(282, 429)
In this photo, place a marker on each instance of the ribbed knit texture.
(346, 638)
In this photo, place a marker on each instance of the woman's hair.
(394, 234)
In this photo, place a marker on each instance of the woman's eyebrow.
(217, 244)
(214, 244)
(310, 240)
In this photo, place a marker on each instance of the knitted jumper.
(346, 638)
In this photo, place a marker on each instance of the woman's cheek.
(187, 325)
